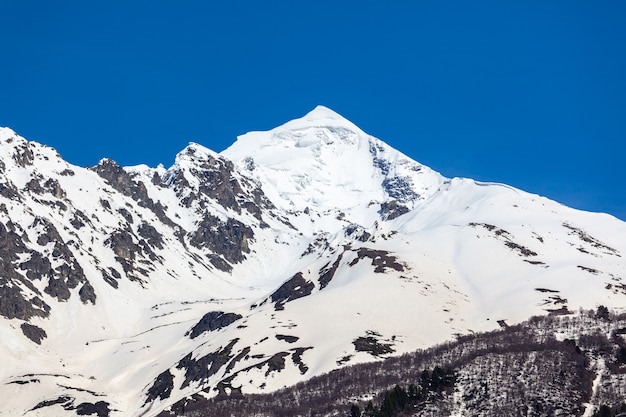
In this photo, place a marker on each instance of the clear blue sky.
(529, 93)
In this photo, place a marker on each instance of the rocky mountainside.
(295, 251)
(552, 365)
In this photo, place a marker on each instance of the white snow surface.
(325, 162)
(461, 256)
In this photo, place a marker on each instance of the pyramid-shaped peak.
(322, 113)
(320, 116)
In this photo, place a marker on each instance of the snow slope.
(294, 251)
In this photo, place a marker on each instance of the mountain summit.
(293, 252)
(323, 161)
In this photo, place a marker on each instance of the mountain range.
(294, 252)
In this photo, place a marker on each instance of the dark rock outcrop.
(201, 369)
(328, 272)
(123, 182)
(372, 346)
(381, 259)
(390, 210)
(296, 287)
(211, 321)
(13, 302)
(34, 333)
(161, 388)
(228, 239)
(100, 409)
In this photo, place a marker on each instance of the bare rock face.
(372, 345)
(87, 293)
(216, 181)
(202, 368)
(128, 250)
(151, 235)
(162, 387)
(23, 154)
(8, 190)
(14, 303)
(68, 274)
(123, 182)
(328, 272)
(392, 209)
(229, 239)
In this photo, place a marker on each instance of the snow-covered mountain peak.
(322, 112)
(319, 128)
(323, 161)
(194, 153)
(321, 117)
(188, 162)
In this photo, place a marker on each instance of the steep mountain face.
(293, 252)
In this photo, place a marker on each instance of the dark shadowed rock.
(161, 388)
(64, 401)
(392, 209)
(123, 182)
(13, 302)
(294, 288)
(23, 154)
(505, 236)
(228, 239)
(328, 272)
(201, 369)
(372, 346)
(15, 305)
(9, 191)
(125, 214)
(399, 188)
(87, 293)
(381, 259)
(123, 244)
(36, 266)
(79, 220)
(111, 278)
(100, 409)
(211, 321)
(287, 338)
(34, 333)
(296, 357)
(151, 235)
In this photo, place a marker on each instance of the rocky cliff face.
(295, 251)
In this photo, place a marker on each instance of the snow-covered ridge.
(294, 251)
